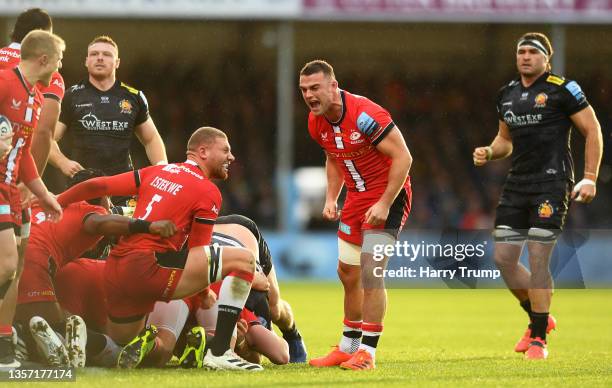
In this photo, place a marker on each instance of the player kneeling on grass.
(52, 246)
(184, 193)
(262, 307)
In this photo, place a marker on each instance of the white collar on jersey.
(189, 161)
(15, 46)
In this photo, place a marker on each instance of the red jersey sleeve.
(205, 214)
(313, 129)
(374, 121)
(56, 88)
(122, 184)
(27, 167)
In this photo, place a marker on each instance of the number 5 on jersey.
(156, 198)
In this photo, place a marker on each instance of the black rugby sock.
(539, 322)
(291, 333)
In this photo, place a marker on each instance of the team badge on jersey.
(545, 210)
(355, 137)
(126, 106)
(540, 100)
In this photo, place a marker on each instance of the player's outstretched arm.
(587, 123)
(122, 184)
(154, 146)
(116, 225)
(500, 148)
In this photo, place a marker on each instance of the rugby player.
(52, 246)
(537, 111)
(20, 101)
(366, 152)
(183, 193)
(102, 115)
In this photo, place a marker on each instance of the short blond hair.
(39, 42)
(104, 39)
(204, 135)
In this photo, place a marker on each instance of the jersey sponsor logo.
(366, 124)
(16, 105)
(214, 209)
(74, 88)
(125, 106)
(545, 210)
(553, 79)
(129, 88)
(507, 103)
(576, 91)
(176, 169)
(58, 83)
(540, 100)
(83, 105)
(524, 96)
(511, 119)
(344, 228)
(551, 171)
(92, 123)
(352, 154)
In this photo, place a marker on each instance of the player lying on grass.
(263, 306)
(51, 247)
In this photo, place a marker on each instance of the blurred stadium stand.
(438, 79)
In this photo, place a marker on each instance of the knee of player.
(8, 270)
(281, 355)
(349, 275)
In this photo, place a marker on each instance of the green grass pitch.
(431, 338)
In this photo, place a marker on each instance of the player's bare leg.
(236, 267)
(267, 343)
(349, 272)
(518, 279)
(374, 300)
(8, 269)
(540, 295)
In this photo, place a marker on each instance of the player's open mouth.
(225, 167)
(314, 104)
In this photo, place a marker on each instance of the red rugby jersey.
(178, 192)
(10, 57)
(20, 102)
(65, 240)
(351, 142)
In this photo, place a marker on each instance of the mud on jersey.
(100, 124)
(540, 126)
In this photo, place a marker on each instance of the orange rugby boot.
(522, 345)
(536, 350)
(361, 360)
(334, 358)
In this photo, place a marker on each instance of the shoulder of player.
(129, 88)
(509, 86)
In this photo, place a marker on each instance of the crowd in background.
(442, 119)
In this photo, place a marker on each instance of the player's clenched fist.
(330, 211)
(482, 155)
(163, 228)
